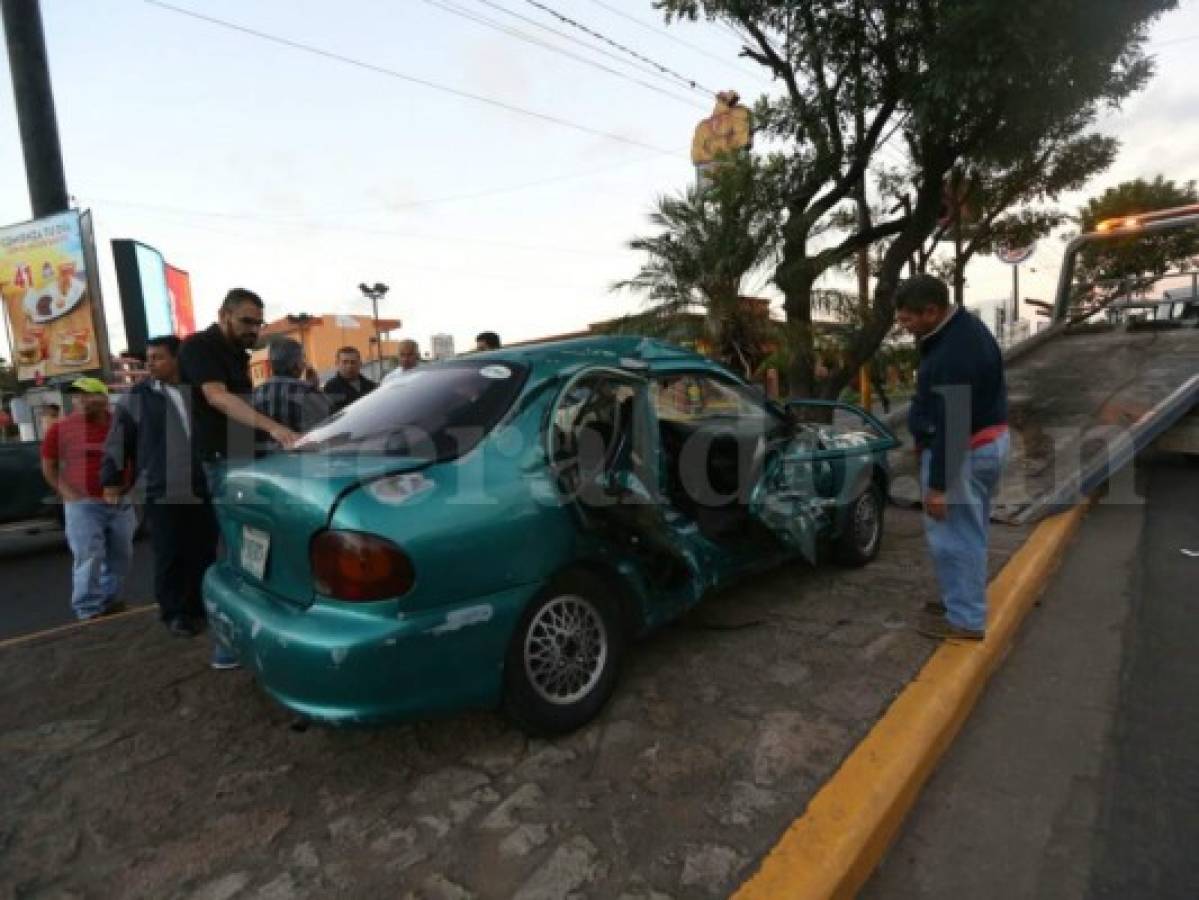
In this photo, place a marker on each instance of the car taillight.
(351, 565)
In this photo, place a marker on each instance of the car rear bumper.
(341, 663)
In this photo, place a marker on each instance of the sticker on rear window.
(497, 372)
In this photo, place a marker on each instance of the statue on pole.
(727, 131)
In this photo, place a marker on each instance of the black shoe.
(181, 626)
(117, 606)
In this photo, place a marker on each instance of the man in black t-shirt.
(215, 363)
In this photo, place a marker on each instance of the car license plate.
(255, 544)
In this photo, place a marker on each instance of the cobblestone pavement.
(130, 769)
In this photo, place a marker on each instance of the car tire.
(862, 529)
(564, 656)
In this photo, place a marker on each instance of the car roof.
(618, 351)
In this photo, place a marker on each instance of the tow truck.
(1116, 372)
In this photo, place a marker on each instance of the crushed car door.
(824, 463)
(788, 498)
(744, 451)
(604, 453)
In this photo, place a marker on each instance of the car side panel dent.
(787, 499)
(457, 619)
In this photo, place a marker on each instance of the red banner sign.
(183, 315)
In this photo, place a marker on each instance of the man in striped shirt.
(286, 396)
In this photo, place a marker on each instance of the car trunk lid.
(270, 510)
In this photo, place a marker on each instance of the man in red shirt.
(100, 534)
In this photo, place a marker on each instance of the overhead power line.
(690, 82)
(591, 47)
(662, 32)
(468, 272)
(432, 201)
(511, 189)
(456, 10)
(392, 73)
(349, 229)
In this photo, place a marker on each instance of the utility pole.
(958, 197)
(864, 291)
(34, 98)
(863, 220)
(1015, 293)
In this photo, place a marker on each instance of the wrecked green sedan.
(494, 530)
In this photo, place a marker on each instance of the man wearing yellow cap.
(100, 535)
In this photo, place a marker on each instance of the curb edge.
(834, 846)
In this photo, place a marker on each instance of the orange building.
(321, 337)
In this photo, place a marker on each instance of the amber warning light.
(1156, 215)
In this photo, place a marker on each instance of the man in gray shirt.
(287, 397)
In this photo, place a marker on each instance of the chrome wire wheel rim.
(566, 650)
(866, 522)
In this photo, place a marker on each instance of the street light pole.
(1015, 293)
(375, 293)
(375, 322)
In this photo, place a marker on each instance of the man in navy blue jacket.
(151, 436)
(958, 419)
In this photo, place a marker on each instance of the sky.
(300, 175)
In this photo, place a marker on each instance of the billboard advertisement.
(155, 297)
(50, 298)
(179, 286)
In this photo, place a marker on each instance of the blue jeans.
(223, 656)
(101, 540)
(958, 545)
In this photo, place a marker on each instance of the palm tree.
(710, 240)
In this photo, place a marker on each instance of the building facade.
(443, 346)
(321, 337)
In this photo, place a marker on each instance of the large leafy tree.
(1011, 201)
(1136, 258)
(708, 242)
(953, 77)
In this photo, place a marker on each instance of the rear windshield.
(435, 412)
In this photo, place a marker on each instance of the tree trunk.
(866, 341)
(801, 339)
(795, 278)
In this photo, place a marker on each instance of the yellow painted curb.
(831, 850)
(74, 626)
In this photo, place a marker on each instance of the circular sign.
(56, 298)
(1013, 256)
